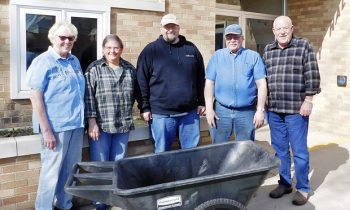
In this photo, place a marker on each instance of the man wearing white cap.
(170, 73)
(235, 90)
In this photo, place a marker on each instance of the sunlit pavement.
(329, 175)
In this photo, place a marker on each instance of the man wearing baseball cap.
(170, 73)
(235, 90)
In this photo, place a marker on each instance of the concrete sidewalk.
(329, 175)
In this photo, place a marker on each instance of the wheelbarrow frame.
(102, 182)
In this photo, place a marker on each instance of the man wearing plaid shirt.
(293, 79)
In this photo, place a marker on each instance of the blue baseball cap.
(233, 29)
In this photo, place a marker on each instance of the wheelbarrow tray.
(181, 179)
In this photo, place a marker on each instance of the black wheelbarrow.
(218, 176)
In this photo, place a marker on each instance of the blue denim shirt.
(63, 86)
(234, 76)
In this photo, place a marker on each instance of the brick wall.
(326, 24)
(18, 182)
(137, 29)
(19, 175)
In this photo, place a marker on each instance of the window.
(221, 23)
(257, 27)
(258, 34)
(29, 28)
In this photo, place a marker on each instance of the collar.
(237, 53)
(182, 40)
(57, 56)
(292, 43)
(121, 63)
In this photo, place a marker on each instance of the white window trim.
(17, 88)
(221, 30)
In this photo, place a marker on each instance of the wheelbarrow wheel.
(221, 204)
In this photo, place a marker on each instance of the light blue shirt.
(63, 86)
(234, 76)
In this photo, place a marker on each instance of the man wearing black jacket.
(170, 72)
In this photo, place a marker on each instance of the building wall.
(326, 24)
(323, 22)
(135, 27)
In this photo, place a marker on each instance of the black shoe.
(280, 190)
(299, 199)
(101, 206)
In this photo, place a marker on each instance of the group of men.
(234, 90)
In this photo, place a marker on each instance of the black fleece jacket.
(171, 77)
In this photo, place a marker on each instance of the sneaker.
(300, 198)
(280, 190)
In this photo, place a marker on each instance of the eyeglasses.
(229, 37)
(63, 38)
(112, 48)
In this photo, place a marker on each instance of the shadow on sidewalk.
(324, 159)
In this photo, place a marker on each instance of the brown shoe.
(280, 190)
(300, 199)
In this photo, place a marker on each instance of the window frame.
(234, 11)
(62, 11)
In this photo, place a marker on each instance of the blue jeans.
(109, 146)
(164, 128)
(56, 166)
(291, 129)
(236, 120)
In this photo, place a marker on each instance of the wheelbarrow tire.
(221, 204)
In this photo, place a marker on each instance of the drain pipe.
(285, 7)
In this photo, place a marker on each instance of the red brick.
(15, 199)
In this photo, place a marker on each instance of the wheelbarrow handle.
(71, 176)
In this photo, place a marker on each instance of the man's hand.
(259, 118)
(306, 108)
(94, 131)
(211, 117)
(146, 116)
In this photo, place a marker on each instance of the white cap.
(169, 18)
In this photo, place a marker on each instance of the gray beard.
(172, 41)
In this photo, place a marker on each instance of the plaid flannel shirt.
(110, 95)
(292, 74)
